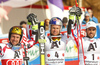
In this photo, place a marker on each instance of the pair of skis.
(39, 35)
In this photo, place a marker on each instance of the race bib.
(55, 57)
(92, 59)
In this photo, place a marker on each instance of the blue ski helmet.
(55, 21)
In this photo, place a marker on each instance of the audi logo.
(14, 61)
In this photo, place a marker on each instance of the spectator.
(92, 17)
(64, 21)
(46, 24)
(23, 24)
(87, 18)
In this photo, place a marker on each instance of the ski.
(41, 27)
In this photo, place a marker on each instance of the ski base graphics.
(41, 28)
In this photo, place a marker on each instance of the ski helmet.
(16, 30)
(55, 21)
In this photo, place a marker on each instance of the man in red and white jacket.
(12, 53)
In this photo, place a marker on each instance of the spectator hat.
(87, 14)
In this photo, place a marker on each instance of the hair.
(23, 22)
(90, 9)
(46, 20)
(64, 20)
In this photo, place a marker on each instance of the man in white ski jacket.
(89, 50)
(55, 44)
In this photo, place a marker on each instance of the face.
(91, 32)
(55, 29)
(87, 17)
(15, 38)
(64, 24)
(47, 22)
(24, 25)
(90, 12)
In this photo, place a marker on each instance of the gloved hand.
(42, 40)
(35, 27)
(75, 11)
(32, 19)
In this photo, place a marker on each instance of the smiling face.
(91, 31)
(55, 29)
(15, 39)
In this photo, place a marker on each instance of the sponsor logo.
(33, 52)
(71, 50)
(14, 62)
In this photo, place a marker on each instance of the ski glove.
(42, 40)
(35, 27)
(75, 11)
(32, 19)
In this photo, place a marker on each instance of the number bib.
(91, 49)
(92, 59)
(55, 57)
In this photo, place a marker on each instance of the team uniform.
(55, 51)
(29, 31)
(91, 51)
(9, 56)
(13, 55)
(55, 44)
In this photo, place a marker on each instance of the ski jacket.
(91, 51)
(10, 56)
(55, 50)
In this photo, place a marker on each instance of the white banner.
(17, 3)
